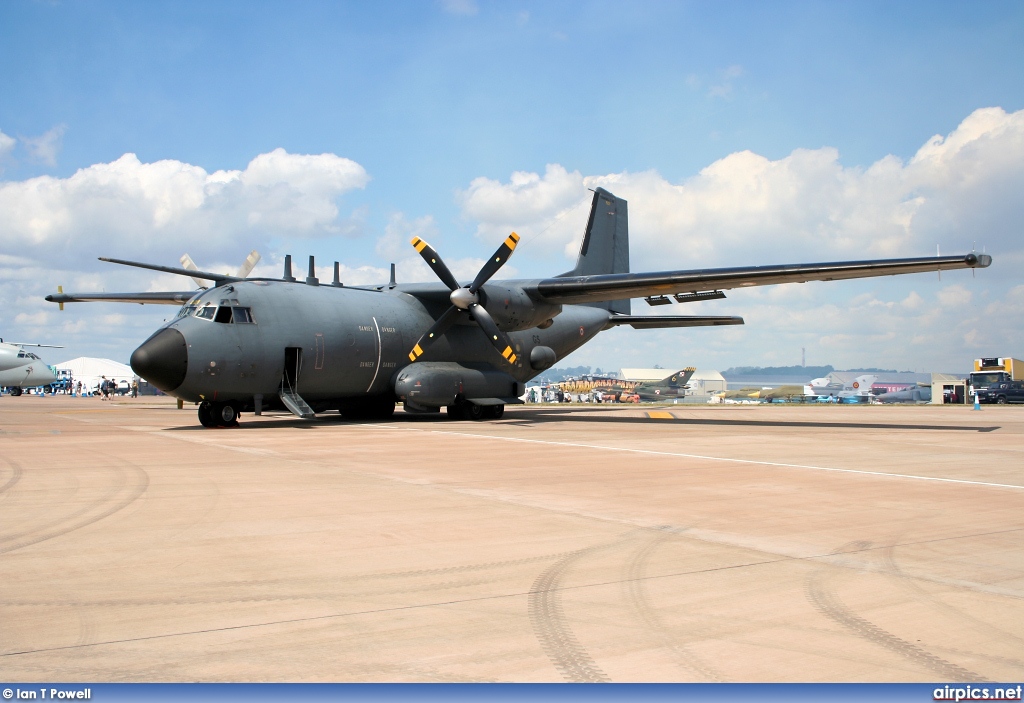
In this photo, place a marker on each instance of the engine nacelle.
(512, 309)
(434, 384)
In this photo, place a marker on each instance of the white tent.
(90, 371)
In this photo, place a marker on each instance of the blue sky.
(440, 103)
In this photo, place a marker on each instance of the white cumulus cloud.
(129, 207)
(746, 208)
(6, 145)
(46, 146)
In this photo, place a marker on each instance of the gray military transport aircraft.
(248, 344)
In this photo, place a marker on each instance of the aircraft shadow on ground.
(552, 415)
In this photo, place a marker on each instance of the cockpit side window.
(243, 315)
(206, 312)
(186, 310)
(223, 314)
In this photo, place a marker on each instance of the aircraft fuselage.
(347, 343)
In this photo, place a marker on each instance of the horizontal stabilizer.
(151, 298)
(217, 278)
(650, 322)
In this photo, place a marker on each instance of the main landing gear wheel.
(15, 391)
(465, 410)
(218, 414)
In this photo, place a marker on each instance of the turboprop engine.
(512, 309)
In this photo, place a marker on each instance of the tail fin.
(679, 378)
(861, 385)
(605, 247)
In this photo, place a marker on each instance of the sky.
(741, 133)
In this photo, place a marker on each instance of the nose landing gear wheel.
(218, 414)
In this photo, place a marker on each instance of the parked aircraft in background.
(746, 393)
(859, 388)
(668, 388)
(21, 369)
(246, 344)
(918, 393)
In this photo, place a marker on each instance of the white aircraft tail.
(860, 385)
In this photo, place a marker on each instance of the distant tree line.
(796, 371)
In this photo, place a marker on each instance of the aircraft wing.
(617, 286)
(154, 298)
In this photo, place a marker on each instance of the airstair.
(294, 402)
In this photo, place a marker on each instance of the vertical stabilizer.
(605, 247)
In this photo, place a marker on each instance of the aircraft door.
(292, 368)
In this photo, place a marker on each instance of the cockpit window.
(226, 314)
(186, 310)
(243, 315)
(22, 354)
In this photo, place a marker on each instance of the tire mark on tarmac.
(636, 590)
(824, 598)
(310, 595)
(15, 476)
(990, 630)
(552, 627)
(136, 485)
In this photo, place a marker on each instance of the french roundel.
(856, 385)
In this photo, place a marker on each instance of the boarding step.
(294, 402)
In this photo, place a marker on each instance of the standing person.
(78, 389)
(135, 388)
(104, 388)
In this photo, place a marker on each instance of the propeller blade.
(436, 330)
(249, 264)
(495, 262)
(496, 337)
(434, 262)
(188, 263)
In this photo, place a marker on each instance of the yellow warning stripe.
(660, 415)
(508, 350)
(512, 240)
(419, 244)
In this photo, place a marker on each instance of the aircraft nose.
(162, 359)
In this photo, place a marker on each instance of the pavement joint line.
(580, 445)
(520, 594)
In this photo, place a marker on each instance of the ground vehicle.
(990, 371)
(1005, 392)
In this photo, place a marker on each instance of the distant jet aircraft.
(851, 392)
(745, 393)
(919, 393)
(20, 369)
(668, 388)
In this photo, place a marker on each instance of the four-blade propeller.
(466, 299)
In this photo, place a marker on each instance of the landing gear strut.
(218, 414)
